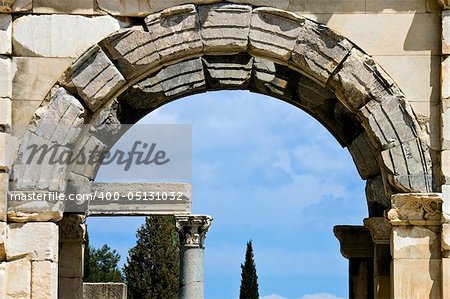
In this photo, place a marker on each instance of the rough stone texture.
(18, 279)
(88, 144)
(30, 81)
(416, 278)
(134, 50)
(228, 72)
(170, 82)
(319, 51)
(176, 32)
(445, 32)
(6, 151)
(359, 80)
(415, 242)
(132, 8)
(71, 258)
(94, 77)
(80, 7)
(9, 6)
(445, 237)
(48, 176)
(5, 34)
(72, 287)
(158, 5)
(26, 241)
(378, 199)
(5, 114)
(61, 120)
(225, 27)
(274, 33)
(59, 35)
(4, 186)
(6, 77)
(107, 290)
(416, 209)
(44, 279)
(364, 157)
(3, 227)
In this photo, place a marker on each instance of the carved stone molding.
(72, 227)
(415, 209)
(355, 241)
(379, 228)
(192, 229)
(445, 4)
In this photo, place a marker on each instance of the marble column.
(72, 233)
(357, 247)
(192, 230)
(380, 230)
(416, 245)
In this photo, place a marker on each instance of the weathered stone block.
(6, 77)
(134, 50)
(364, 156)
(5, 114)
(59, 35)
(49, 176)
(93, 146)
(44, 279)
(71, 258)
(225, 27)
(5, 34)
(61, 120)
(94, 77)
(359, 80)
(445, 73)
(132, 8)
(23, 112)
(72, 286)
(330, 6)
(446, 32)
(416, 278)
(78, 7)
(319, 51)
(392, 128)
(228, 71)
(108, 290)
(409, 164)
(35, 76)
(274, 33)
(4, 187)
(158, 5)
(415, 242)
(18, 279)
(176, 32)
(25, 240)
(3, 227)
(6, 151)
(16, 6)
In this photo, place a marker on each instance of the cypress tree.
(152, 265)
(249, 278)
(102, 265)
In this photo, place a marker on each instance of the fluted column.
(380, 230)
(192, 230)
(357, 247)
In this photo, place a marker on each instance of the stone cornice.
(379, 228)
(192, 229)
(415, 209)
(355, 241)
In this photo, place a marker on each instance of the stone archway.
(190, 49)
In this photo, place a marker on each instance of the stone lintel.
(415, 209)
(379, 228)
(192, 229)
(355, 241)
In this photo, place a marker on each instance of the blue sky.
(265, 171)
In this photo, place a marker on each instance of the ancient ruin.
(375, 73)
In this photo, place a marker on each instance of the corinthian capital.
(445, 3)
(192, 229)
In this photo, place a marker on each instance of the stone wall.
(40, 39)
(104, 291)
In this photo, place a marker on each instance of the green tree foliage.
(249, 278)
(100, 265)
(152, 265)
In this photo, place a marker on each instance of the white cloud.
(321, 296)
(273, 296)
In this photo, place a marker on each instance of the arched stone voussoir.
(94, 77)
(359, 80)
(176, 32)
(225, 27)
(133, 50)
